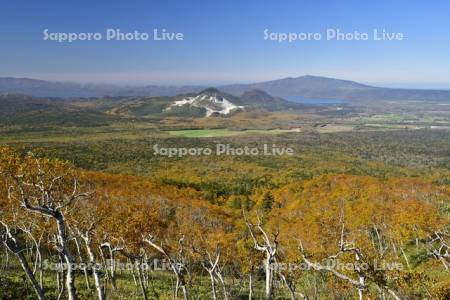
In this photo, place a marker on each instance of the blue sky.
(224, 41)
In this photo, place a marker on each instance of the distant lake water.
(303, 100)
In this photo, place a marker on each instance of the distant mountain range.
(311, 87)
(323, 87)
(42, 88)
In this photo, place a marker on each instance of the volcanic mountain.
(213, 101)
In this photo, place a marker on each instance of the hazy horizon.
(110, 80)
(227, 42)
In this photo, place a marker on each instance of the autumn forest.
(351, 215)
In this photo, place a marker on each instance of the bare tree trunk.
(393, 294)
(86, 277)
(360, 294)
(60, 278)
(147, 275)
(132, 273)
(222, 282)
(10, 242)
(70, 275)
(37, 288)
(270, 249)
(288, 285)
(141, 283)
(213, 285)
(98, 286)
(41, 273)
(177, 268)
(406, 258)
(112, 267)
(177, 286)
(7, 259)
(360, 283)
(37, 255)
(250, 286)
(58, 281)
(185, 292)
(105, 264)
(268, 284)
(361, 276)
